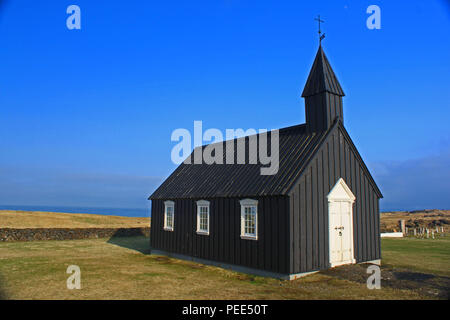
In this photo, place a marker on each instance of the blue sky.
(86, 115)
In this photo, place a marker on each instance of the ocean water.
(132, 212)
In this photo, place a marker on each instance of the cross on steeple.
(321, 36)
(323, 95)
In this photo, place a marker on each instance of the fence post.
(401, 224)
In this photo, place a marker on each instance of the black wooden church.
(320, 210)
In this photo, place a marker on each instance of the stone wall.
(31, 234)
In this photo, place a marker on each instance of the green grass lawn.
(121, 268)
(422, 255)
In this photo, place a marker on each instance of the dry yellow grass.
(389, 220)
(36, 219)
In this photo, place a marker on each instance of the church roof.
(296, 146)
(321, 77)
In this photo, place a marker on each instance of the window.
(203, 217)
(249, 219)
(168, 215)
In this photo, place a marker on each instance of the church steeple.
(323, 95)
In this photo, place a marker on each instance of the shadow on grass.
(413, 276)
(426, 284)
(137, 242)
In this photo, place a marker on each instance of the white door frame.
(336, 195)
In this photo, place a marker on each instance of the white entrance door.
(340, 214)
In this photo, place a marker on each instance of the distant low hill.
(36, 219)
(430, 218)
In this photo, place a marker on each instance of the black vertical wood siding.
(309, 207)
(322, 109)
(224, 244)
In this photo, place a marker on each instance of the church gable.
(336, 158)
(339, 158)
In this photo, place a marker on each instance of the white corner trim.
(169, 203)
(248, 202)
(335, 264)
(202, 203)
(376, 262)
(332, 196)
(391, 235)
(248, 237)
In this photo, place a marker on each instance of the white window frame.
(169, 204)
(204, 204)
(246, 203)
